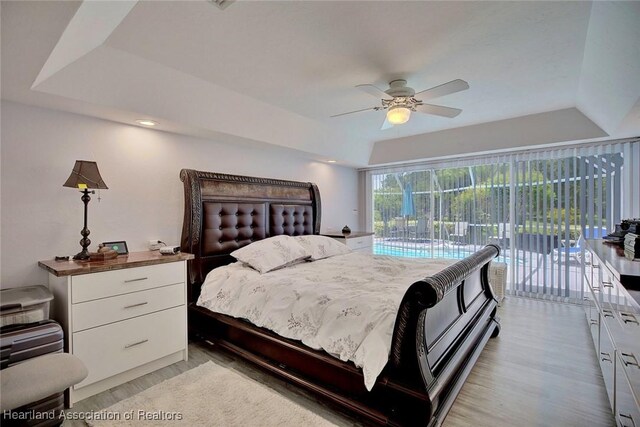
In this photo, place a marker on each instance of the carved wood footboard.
(449, 316)
(442, 325)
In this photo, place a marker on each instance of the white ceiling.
(273, 72)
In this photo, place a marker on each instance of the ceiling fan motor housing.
(399, 88)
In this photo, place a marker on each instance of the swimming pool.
(438, 252)
(426, 252)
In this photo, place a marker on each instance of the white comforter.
(345, 305)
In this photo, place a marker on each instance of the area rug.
(208, 395)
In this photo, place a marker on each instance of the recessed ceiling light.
(146, 122)
(331, 161)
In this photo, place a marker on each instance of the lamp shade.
(85, 174)
(398, 115)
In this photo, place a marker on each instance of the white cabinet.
(123, 318)
(613, 315)
(627, 408)
(356, 241)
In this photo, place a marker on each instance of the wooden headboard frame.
(223, 213)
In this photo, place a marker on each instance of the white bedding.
(345, 305)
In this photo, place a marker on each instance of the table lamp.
(85, 176)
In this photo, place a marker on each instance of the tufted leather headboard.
(225, 212)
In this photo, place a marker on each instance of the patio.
(557, 274)
(539, 208)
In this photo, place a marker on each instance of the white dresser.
(123, 318)
(612, 305)
(357, 241)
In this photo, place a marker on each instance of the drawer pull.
(136, 305)
(136, 343)
(606, 357)
(595, 266)
(633, 362)
(135, 280)
(607, 313)
(594, 321)
(627, 416)
(607, 284)
(629, 318)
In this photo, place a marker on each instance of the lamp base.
(82, 255)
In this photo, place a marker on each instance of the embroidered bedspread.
(345, 305)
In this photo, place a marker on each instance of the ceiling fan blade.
(386, 124)
(356, 111)
(374, 91)
(444, 89)
(438, 110)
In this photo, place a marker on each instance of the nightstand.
(357, 240)
(123, 317)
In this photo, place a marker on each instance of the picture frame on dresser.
(123, 318)
(119, 246)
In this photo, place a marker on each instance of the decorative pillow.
(272, 253)
(320, 247)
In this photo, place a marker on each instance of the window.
(539, 207)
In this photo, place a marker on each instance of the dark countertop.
(625, 270)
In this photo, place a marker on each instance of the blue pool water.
(438, 252)
(452, 253)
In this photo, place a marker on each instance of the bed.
(442, 324)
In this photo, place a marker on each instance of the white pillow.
(320, 247)
(272, 253)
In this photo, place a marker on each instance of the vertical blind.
(538, 206)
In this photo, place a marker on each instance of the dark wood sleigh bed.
(443, 323)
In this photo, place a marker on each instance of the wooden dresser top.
(134, 259)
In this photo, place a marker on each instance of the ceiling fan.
(400, 100)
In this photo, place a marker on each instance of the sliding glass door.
(539, 207)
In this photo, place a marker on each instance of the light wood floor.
(541, 371)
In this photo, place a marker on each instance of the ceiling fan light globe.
(398, 115)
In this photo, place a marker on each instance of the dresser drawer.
(113, 309)
(355, 243)
(627, 411)
(112, 349)
(607, 354)
(109, 283)
(593, 316)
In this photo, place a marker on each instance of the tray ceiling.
(273, 72)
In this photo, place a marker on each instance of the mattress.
(345, 305)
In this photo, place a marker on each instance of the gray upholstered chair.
(38, 378)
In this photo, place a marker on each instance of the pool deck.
(533, 273)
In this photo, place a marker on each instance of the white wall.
(609, 84)
(41, 218)
(535, 129)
